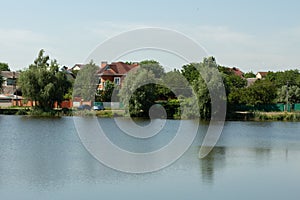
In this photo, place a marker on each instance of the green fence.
(110, 105)
(296, 107)
(98, 104)
(266, 108)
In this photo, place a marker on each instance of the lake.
(43, 158)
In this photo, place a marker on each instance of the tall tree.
(138, 92)
(206, 86)
(289, 94)
(173, 85)
(86, 82)
(154, 67)
(43, 83)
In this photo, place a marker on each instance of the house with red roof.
(114, 72)
(261, 75)
(237, 72)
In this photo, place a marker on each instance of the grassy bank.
(231, 116)
(60, 112)
(277, 116)
(101, 113)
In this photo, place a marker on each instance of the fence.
(110, 105)
(266, 108)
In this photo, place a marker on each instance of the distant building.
(77, 67)
(114, 72)
(237, 72)
(8, 94)
(251, 81)
(9, 85)
(261, 75)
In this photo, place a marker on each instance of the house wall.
(5, 103)
(110, 78)
(258, 76)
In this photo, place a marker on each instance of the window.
(11, 81)
(117, 80)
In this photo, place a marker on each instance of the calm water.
(44, 159)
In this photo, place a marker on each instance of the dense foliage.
(106, 95)
(4, 67)
(138, 92)
(192, 88)
(86, 82)
(43, 83)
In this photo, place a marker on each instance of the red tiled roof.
(263, 74)
(116, 68)
(237, 72)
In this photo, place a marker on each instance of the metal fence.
(266, 107)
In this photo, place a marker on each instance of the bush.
(22, 112)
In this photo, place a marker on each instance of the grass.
(102, 113)
(277, 116)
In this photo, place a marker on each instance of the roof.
(237, 72)
(263, 74)
(116, 69)
(80, 66)
(9, 74)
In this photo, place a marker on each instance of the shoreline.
(231, 116)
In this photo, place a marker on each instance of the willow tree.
(138, 92)
(43, 83)
(207, 85)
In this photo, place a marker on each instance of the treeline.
(177, 88)
(187, 92)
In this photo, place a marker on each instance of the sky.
(256, 35)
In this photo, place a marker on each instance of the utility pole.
(287, 96)
(15, 88)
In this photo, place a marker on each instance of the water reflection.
(215, 160)
(46, 153)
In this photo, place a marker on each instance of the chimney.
(103, 64)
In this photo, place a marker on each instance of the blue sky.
(252, 35)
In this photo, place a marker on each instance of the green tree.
(206, 86)
(279, 79)
(173, 85)
(261, 92)
(190, 72)
(249, 75)
(43, 83)
(4, 67)
(106, 94)
(86, 82)
(138, 92)
(232, 82)
(292, 92)
(154, 67)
